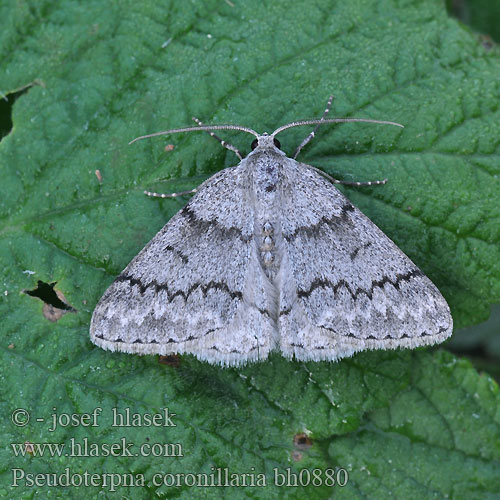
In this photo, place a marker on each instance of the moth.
(269, 255)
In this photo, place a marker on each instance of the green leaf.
(402, 424)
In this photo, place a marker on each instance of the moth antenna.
(332, 120)
(193, 129)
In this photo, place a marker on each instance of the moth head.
(266, 141)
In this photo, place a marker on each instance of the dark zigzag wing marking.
(171, 296)
(322, 283)
(314, 229)
(220, 285)
(202, 225)
(371, 337)
(167, 341)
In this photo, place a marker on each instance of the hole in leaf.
(6, 103)
(55, 302)
(302, 441)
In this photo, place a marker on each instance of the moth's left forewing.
(197, 286)
(345, 286)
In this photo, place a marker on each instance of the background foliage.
(90, 76)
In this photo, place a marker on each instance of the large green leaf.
(404, 424)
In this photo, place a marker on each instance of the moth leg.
(223, 143)
(346, 183)
(310, 137)
(170, 195)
